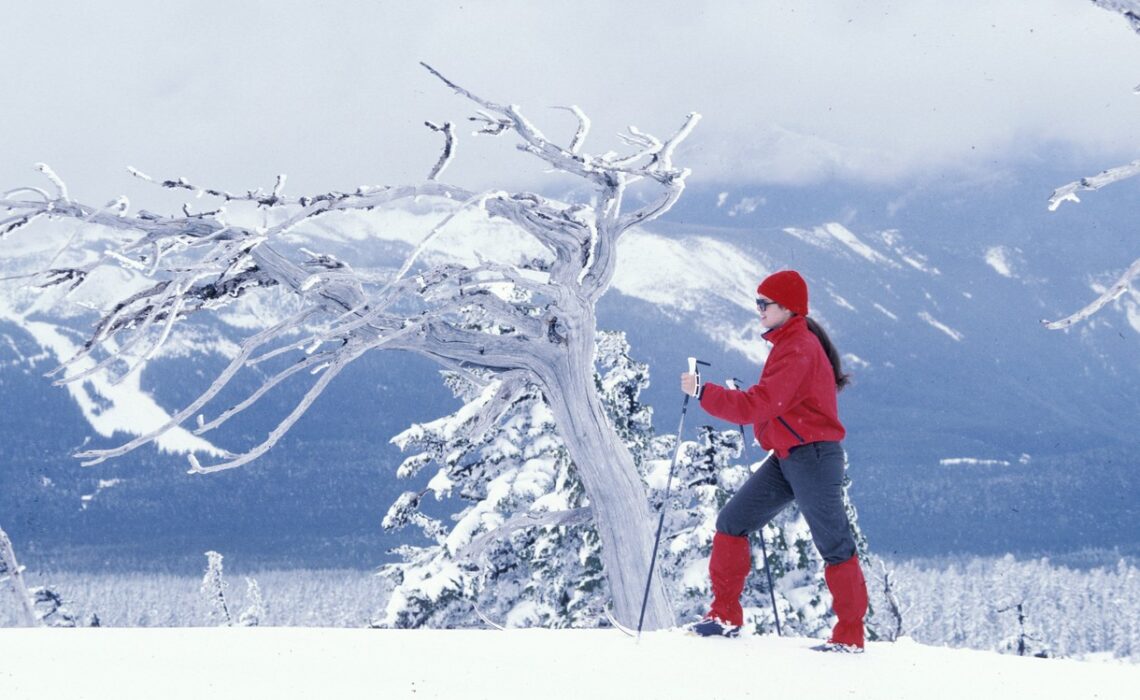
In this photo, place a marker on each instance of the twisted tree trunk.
(617, 496)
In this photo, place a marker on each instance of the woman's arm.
(773, 396)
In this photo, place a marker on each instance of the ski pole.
(735, 383)
(693, 363)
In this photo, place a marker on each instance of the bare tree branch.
(258, 196)
(299, 410)
(583, 127)
(448, 153)
(220, 382)
(61, 189)
(1067, 193)
(523, 521)
(1111, 294)
(1129, 8)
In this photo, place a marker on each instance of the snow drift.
(471, 664)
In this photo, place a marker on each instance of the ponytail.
(841, 378)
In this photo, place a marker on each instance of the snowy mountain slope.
(475, 664)
(54, 323)
(699, 279)
(949, 361)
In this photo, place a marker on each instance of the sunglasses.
(763, 304)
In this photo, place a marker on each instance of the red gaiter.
(728, 567)
(849, 601)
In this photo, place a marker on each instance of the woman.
(794, 414)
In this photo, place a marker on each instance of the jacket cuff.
(701, 391)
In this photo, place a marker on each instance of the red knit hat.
(787, 289)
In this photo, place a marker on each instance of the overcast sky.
(231, 93)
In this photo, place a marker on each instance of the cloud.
(790, 92)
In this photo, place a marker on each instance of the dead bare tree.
(894, 607)
(1130, 9)
(540, 314)
(13, 574)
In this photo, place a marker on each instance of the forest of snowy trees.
(970, 603)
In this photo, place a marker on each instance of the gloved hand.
(691, 383)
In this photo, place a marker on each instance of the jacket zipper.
(794, 433)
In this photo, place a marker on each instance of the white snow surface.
(956, 335)
(295, 662)
(886, 312)
(698, 277)
(973, 462)
(831, 234)
(998, 258)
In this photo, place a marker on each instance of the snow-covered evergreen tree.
(255, 611)
(214, 587)
(1024, 641)
(887, 615)
(520, 553)
(51, 608)
(524, 552)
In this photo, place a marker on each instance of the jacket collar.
(792, 326)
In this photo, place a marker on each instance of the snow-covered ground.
(469, 664)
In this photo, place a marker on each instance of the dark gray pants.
(812, 475)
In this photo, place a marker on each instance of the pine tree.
(498, 560)
(51, 609)
(214, 587)
(255, 611)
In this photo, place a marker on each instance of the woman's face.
(772, 315)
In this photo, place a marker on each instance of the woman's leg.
(815, 473)
(764, 495)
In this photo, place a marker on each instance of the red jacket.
(794, 402)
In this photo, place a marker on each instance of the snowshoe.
(713, 627)
(837, 648)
